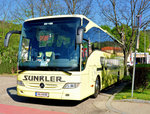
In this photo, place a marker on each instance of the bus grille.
(37, 85)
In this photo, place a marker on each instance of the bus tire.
(97, 87)
(118, 77)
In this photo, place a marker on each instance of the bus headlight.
(71, 85)
(20, 83)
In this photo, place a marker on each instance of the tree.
(143, 42)
(23, 10)
(4, 14)
(122, 14)
(45, 7)
(78, 6)
(35, 8)
(48, 7)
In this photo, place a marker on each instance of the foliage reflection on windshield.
(49, 43)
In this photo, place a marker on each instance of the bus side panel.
(94, 68)
(102, 64)
(87, 87)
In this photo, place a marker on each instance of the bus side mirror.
(79, 36)
(8, 35)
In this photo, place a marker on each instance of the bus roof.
(56, 16)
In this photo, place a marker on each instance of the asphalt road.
(8, 95)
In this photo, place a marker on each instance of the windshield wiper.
(68, 73)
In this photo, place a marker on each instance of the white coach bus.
(66, 57)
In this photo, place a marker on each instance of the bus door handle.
(102, 68)
(99, 69)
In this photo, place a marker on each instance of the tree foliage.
(107, 28)
(143, 42)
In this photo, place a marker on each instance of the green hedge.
(8, 64)
(143, 65)
(142, 76)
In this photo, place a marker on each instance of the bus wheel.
(97, 88)
(118, 77)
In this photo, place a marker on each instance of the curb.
(134, 101)
(108, 103)
(109, 106)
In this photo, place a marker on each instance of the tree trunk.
(125, 63)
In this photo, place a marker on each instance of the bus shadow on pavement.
(12, 92)
(111, 90)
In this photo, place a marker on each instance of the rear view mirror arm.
(8, 35)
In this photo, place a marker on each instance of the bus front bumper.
(62, 94)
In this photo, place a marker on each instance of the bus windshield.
(49, 44)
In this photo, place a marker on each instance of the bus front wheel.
(97, 87)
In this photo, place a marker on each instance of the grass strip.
(126, 94)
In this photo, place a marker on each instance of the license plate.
(41, 94)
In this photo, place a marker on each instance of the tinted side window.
(85, 22)
(107, 43)
(99, 40)
(93, 35)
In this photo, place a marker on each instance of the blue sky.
(11, 5)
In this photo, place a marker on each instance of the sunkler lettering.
(43, 78)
